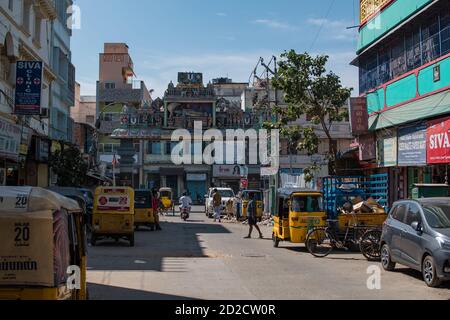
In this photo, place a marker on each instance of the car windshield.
(307, 204)
(437, 215)
(226, 193)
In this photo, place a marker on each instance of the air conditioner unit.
(45, 113)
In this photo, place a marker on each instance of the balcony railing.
(49, 8)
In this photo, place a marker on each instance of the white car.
(226, 193)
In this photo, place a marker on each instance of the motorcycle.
(185, 212)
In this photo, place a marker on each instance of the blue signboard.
(28, 88)
(412, 146)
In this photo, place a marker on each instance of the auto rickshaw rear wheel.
(276, 240)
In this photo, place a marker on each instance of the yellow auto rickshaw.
(166, 198)
(298, 211)
(43, 246)
(258, 198)
(113, 215)
(143, 210)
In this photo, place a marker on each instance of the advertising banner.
(438, 136)
(412, 146)
(26, 253)
(230, 171)
(387, 148)
(367, 147)
(10, 135)
(28, 88)
(114, 200)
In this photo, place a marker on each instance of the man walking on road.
(252, 219)
(217, 204)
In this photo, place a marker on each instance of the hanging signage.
(230, 171)
(28, 88)
(387, 148)
(412, 146)
(438, 136)
(244, 184)
(42, 150)
(359, 116)
(367, 147)
(10, 136)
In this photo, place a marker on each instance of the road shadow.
(336, 254)
(103, 292)
(418, 276)
(162, 251)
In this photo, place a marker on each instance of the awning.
(426, 108)
(171, 171)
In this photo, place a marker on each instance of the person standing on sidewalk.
(155, 207)
(217, 204)
(252, 218)
(238, 203)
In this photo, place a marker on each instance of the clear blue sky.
(218, 38)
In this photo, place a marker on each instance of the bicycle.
(321, 241)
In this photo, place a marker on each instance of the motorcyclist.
(185, 202)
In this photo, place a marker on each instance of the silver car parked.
(417, 234)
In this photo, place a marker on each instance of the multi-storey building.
(403, 57)
(118, 89)
(26, 29)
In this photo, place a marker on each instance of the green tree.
(312, 91)
(68, 164)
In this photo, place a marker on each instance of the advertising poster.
(28, 88)
(26, 253)
(114, 200)
(438, 136)
(367, 147)
(387, 148)
(412, 146)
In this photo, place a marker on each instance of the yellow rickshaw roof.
(33, 199)
(288, 192)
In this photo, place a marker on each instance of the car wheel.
(386, 260)
(429, 272)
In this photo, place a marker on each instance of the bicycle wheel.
(319, 242)
(370, 245)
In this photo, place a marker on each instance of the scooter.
(185, 212)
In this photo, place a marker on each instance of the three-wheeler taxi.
(258, 197)
(43, 246)
(143, 210)
(166, 198)
(298, 211)
(113, 215)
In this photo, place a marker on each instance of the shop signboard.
(412, 145)
(196, 177)
(387, 148)
(28, 88)
(10, 135)
(438, 137)
(359, 116)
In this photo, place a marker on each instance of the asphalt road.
(202, 260)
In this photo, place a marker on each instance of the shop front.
(10, 139)
(438, 150)
(196, 186)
